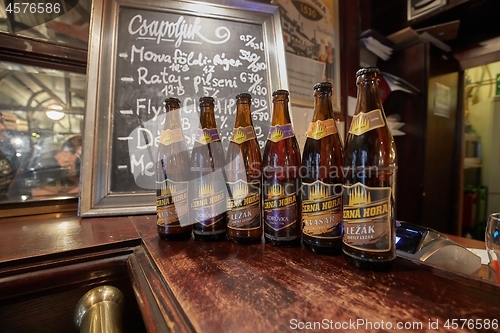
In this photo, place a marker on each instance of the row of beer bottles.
(324, 199)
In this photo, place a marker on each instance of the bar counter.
(191, 286)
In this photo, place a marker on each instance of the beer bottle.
(281, 180)
(172, 177)
(208, 187)
(370, 178)
(322, 178)
(244, 177)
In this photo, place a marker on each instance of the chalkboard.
(182, 56)
(173, 49)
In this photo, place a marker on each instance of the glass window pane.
(62, 22)
(41, 125)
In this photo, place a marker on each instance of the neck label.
(206, 135)
(365, 122)
(280, 132)
(321, 128)
(243, 134)
(167, 137)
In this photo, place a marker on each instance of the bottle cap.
(172, 99)
(206, 99)
(280, 91)
(323, 85)
(367, 70)
(243, 95)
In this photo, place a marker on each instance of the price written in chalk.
(251, 42)
(255, 80)
(219, 60)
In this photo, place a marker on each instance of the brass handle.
(99, 310)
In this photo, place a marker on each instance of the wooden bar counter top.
(189, 286)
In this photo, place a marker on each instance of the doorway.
(481, 167)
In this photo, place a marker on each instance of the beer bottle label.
(321, 128)
(243, 205)
(206, 135)
(365, 122)
(209, 200)
(242, 134)
(280, 132)
(367, 217)
(167, 137)
(322, 210)
(172, 203)
(280, 205)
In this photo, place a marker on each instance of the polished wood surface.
(26, 240)
(190, 286)
(260, 288)
(47, 263)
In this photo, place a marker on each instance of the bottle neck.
(323, 109)
(207, 117)
(172, 116)
(368, 95)
(281, 114)
(243, 114)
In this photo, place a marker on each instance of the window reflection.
(41, 123)
(66, 24)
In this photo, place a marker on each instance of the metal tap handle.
(99, 311)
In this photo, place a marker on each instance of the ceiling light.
(54, 115)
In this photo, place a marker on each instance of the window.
(42, 89)
(41, 125)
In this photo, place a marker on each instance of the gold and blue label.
(280, 132)
(207, 135)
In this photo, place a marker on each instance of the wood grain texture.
(46, 265)
(226, 287)
(223, 287)
(27, 240)
(160, 311)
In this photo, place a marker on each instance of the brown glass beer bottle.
(322, 178)
(281, 180)
(208, 187)
(370, 167)
(172, 177)
(244, 177)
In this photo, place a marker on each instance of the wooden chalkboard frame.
(96, 199)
